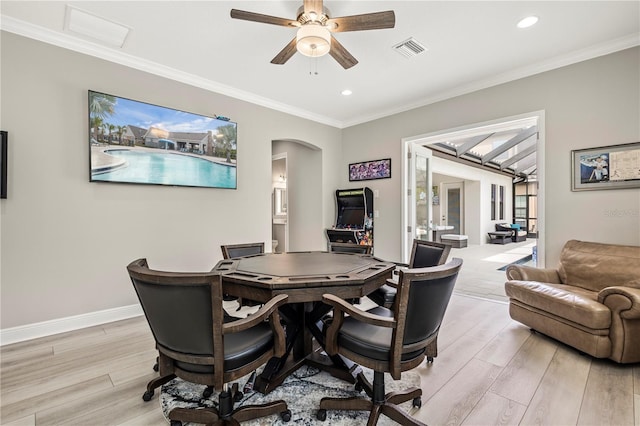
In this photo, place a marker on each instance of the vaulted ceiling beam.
(471, 143)
(519, 156)
(520, 137)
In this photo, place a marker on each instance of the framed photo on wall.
(606, 167)
(369, 170)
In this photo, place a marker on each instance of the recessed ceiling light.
(527, 22)
(346, 92)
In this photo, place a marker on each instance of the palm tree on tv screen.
(101, 106)
(229, 135)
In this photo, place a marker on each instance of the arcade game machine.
(354, 221)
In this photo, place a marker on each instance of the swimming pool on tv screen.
(168, 169)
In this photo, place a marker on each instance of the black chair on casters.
(423, 254)
(349, 248)
(240, 250)
(199, 343)
(390, 341)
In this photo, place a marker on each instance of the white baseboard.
(62, 325)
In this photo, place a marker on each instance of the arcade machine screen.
(352, 217)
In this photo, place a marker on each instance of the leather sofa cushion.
(572, 303)
(594, 266)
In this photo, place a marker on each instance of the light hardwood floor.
(490, 371)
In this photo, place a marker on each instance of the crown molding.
(601, 49)
(35, 32)
(96, 50)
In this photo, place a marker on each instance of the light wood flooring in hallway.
(490, 371)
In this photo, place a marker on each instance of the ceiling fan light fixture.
(313, 40)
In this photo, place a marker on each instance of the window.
(493, 201)
(501, 202)
(525, 207)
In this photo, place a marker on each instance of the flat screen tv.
(136, 142)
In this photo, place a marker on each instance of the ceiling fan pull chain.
(313, 65)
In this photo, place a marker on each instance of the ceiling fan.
(315, 26)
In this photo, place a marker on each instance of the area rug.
(301, 391)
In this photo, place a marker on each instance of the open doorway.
(280, 203)
(296, 207)
(500, 153)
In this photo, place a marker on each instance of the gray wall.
(589, 104)
(66, 241)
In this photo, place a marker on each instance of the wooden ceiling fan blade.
(286, 53)
(341, 55)
(367, 21)
(265, 19)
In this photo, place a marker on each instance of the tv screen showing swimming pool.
(136, 142)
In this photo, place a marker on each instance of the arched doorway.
(298, 182)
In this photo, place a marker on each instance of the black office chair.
(423, 254)
(240, 250)
(390, 341)
(199, 343)
(349, 248)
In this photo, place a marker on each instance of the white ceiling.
(471, 45)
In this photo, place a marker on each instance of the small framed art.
(606, 167)
(369, 170)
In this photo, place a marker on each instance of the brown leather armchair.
(591, 301)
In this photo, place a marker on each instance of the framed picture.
(369, 170)
(606, 167)
(136, 142)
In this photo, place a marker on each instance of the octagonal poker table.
(304, 277)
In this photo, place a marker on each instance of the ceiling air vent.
(409, 48)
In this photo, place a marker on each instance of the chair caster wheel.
(147, 396)
(176, 423)
(321, 415)
(417, 402)
(237, 397)
(430, 359)
(285, 415)
(207, 392)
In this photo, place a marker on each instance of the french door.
(417, 211)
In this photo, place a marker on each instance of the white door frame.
(410, 150)
(536, 116)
